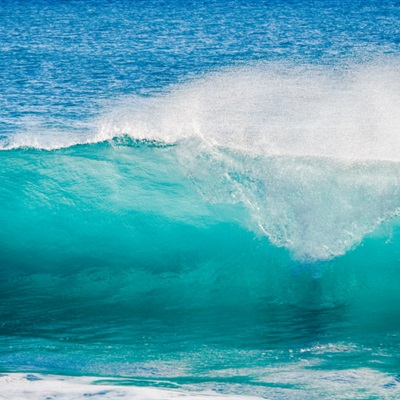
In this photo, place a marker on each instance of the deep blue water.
(202, 195)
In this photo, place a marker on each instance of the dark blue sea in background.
(200, 196)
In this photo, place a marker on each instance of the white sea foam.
(19, 386)
(299, 380)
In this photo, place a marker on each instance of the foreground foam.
(294, 382)
(38, 387)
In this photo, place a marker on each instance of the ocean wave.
(183, 189)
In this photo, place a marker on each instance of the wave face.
(200, 198)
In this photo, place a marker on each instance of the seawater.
(199, 199)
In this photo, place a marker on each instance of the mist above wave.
(273, 109)
(348, 111)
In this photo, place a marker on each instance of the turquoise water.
(201, 196)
